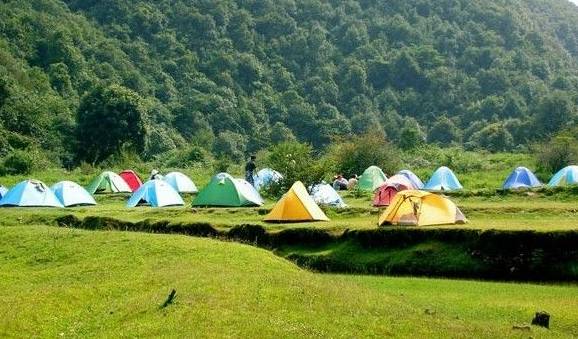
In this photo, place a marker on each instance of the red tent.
(131, 179)
(386, 192)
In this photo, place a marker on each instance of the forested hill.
(237, 75)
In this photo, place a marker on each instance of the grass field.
(66, 282)
(61, 283)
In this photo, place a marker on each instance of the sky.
(574, 1)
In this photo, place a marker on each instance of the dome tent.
(566, 176)
(3, 191)
(266, 177)
(225, 191)
(521, 177)
(108, 182)
(414, 179)
(371, 179)
(30, 193)
(443, 179)
(324, 194)
(156, 193)
(385, 194)
(180, 182)
(72, 194)
(296, 206)
(131, 178)
(419, 208)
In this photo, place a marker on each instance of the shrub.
(296, 162)
(18, 162)
(557, 153)
(353, 156)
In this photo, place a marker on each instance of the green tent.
(225, 191)
(108, 182)
(371, 179)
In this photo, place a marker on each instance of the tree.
(554, 112)
(494, 137)
(110, 119)
(230, 145)
(444, 131)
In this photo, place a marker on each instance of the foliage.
(17, 162)
(296, 162)
(110, 119)
(558, 152)
(273, 72)
(353, 156)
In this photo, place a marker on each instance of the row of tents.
(444, 179)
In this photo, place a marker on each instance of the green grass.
(543, 213)
(61, 282)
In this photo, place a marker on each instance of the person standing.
(250, 168)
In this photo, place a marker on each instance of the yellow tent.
(418, 208)
(296, 205)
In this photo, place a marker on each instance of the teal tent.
(443, 179)
(156, 193)
(566, 176)
(71, 194)
(30, 193)
(371, 179)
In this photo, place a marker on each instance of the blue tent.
(521, 177)
(324, 194)
(266, 177)
(72, 194)
(3, 191)
(30, 193)
(414, 179)
(443, 179)
(181, 183)
(156, 193)
(566, 176)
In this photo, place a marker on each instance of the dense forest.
(81, 80)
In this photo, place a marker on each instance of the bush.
(296, 162)
(557, 153)
(18, 162)
(353, 156)
(185, 158)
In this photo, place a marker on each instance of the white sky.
(574, 1)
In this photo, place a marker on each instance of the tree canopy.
(236, 76)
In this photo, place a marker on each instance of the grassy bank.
(63, 282)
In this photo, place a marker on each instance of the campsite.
(289, 169)
(340, 259)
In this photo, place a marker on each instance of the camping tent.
(324, 194)
(180, 182)
(156, 193)
(385, 194)
(419, 208)
(3, 191)
(521, 177)
(72, 194)
(414, 179)
(372, 178)
(108, 182)
(30, 193)
(566, 176)
(443, 179)
(132, 179)
(225, 191)
(266, 177)
(295, 206)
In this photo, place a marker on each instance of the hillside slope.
(484, 73)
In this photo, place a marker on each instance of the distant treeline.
(83, 80)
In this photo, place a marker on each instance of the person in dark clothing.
(250, 168)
